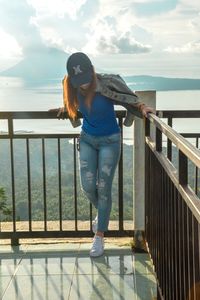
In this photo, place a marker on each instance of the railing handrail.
(181, 143)
(42, 114)
(172, 207)
(190, 151)
(164, 113)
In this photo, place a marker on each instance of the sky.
(142, 37)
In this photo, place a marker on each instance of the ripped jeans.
(99, 156)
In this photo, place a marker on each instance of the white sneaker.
(94, 224)
(97, 246)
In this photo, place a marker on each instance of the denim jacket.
(115, 88)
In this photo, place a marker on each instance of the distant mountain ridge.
(48, 65)
(145, 82)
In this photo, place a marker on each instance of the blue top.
(100, 119)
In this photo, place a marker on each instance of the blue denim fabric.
(99, 156)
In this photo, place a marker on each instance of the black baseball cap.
(79, 68)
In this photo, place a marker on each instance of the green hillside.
(51, 182)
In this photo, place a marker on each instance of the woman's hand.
(61, 112)
(144, 109)
(147, 109)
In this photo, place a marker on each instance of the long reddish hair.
(70, 100)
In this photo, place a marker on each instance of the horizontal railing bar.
(178, 113)
(186, 192)
(71, 135)
(181, 143)
(28, 115)
(190, 135)
(43, 114)
(119, 113)
(41, 135)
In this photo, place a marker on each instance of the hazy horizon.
(20, 98)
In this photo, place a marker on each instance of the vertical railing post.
(149, 98)
(14, 240)
(158, 140)
(183, 168)
(169, 143)
(120, 182)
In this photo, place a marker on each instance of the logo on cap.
(77, 70)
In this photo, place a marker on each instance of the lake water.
(16, 96)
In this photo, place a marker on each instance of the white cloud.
(195, 22)
(190, 4)
(9, 46)
(174, 28)
(114, 44)
(127, 44)
(60, 8)
(112, 30)
(10, 50)
(59, 23)
(50, 37)
(192, 47)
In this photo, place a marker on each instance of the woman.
(100, 138)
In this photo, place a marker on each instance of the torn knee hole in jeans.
(103, 201)
(103, 198)
(83, 163)
(106, 169)
(101, 184)
(89, 176)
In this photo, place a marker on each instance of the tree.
(3, 205)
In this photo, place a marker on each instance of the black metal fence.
(15, 232)
(172, 214)
(194, 138)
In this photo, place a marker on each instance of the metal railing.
(16, 233)
(172, 213)
(183, 114)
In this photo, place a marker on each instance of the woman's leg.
(88, 171)
(109, 155)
